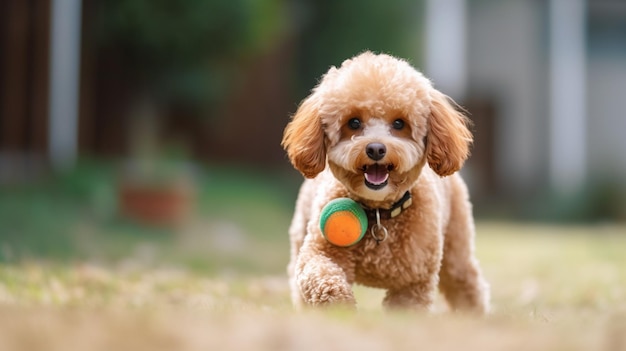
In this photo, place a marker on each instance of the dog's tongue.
(376, 174)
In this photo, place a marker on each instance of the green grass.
(74, 217)
(75, 276)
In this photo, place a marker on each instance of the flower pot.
(162, 204)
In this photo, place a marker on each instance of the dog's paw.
(326, 292)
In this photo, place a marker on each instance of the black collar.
(393, 211)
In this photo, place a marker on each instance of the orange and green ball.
(343, 222)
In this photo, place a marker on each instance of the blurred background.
(143, 131)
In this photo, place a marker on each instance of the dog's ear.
(448, 137)
(304, 139)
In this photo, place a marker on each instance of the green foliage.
(168, 33)
(191, 50)
(337, 30)
(185, 50)
(33, 221)
(266, 21)
(599, 200)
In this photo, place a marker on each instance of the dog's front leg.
(324, 274)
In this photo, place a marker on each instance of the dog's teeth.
(377, 181)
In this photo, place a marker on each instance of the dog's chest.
(399, 260)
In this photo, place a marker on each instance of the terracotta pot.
(156, 204)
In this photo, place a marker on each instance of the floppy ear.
(448, 136)
(304, 139)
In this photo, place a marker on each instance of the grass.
(74, 276)
(74, 217)
(554, 288)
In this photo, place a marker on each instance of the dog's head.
(376, 121)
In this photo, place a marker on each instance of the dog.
(376, 131)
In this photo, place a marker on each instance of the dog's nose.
(375, 151)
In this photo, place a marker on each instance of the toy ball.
(343, 222)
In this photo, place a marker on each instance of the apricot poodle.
(376, 131)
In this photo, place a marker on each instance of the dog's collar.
(394, 211)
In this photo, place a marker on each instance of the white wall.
(607, 117)
(506, 63)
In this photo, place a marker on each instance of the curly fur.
(431, 244)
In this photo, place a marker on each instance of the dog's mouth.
(376, 175)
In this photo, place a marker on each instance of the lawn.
(90, 281)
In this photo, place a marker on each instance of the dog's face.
(375, 122)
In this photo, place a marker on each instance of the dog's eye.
(354, 123)
(398, 124)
